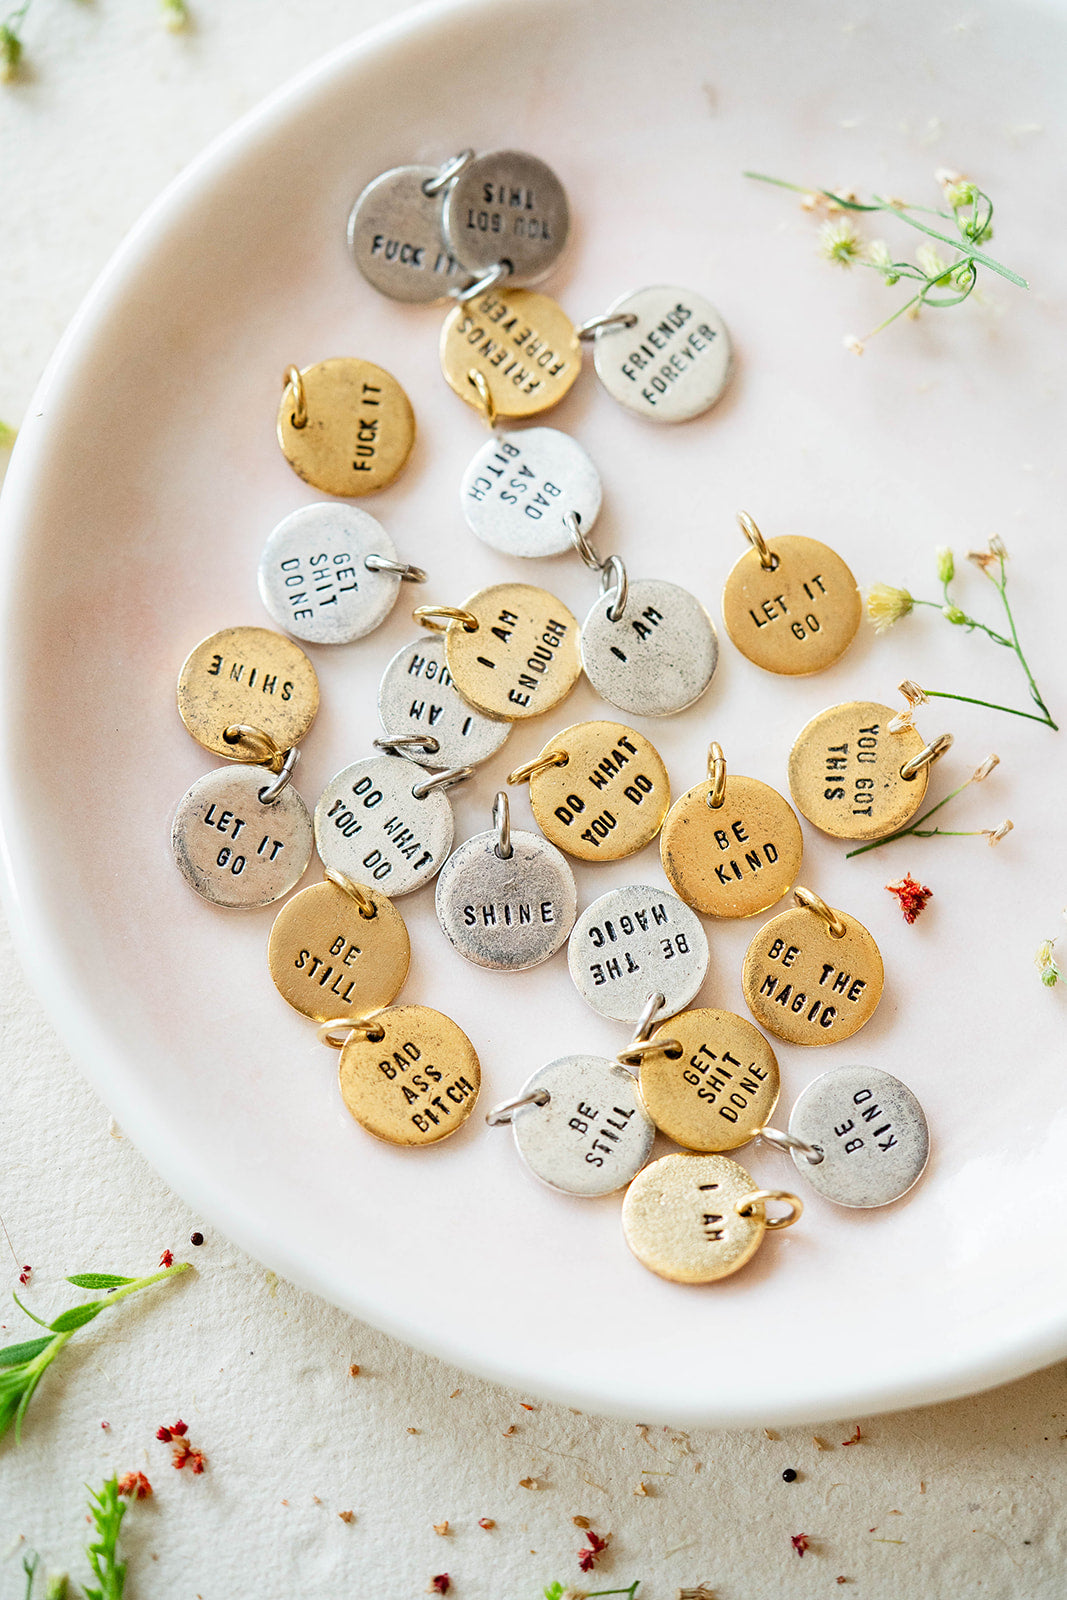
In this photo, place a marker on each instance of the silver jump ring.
(613, 576)
(442, 780)
(271, 792)
(788, 1141)
(503, 1112)
(926, 757)
(634, 1054)
(445, 174)
(573, 524)
(403, 743)
(482, 285)
(403, 569)
(610, 319)
(502, 824)
(646, 1022)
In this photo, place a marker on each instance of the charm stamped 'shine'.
(396, 237)
(519, 487)
(383, 821)
(651, 650)
(345, 426)
(853, 777)
(633, 942)
(521, 346)
(338, 949)
(714, 1083)
(330, 574)
(696, 1218)
(812, 975)
(598, 790)
(793, 608)
(417, 696)
(236, 848)
(512, 649)
(580, 1126)
(506, 899)
(507, 207)
(731, 847)
(409, 1075)
(670, 362)
(243, 677)
(869, 1133)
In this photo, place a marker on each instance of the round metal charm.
(417, 696)
(347, 428)
(812, 976)
(794, 608)
(247, 677)
(695, 1218)
(507, 206)
(520, 486)
(314, 578)
(371, 825)
(872, 1133)
(395, 235)
(520, 345)
(506, 912)
(515, 654)
(634, 942)
(599, 790)
(672, 363)
(409, 1075)
(592, 1135)
(734, 859)
(235, 849)
(845, 771)
(330, 957)
(719, 1089)
(657, 655)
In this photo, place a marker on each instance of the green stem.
(631, 1591)
(1002, 589)
(143, 1283)
(899, 312)
(968, 622)
(902, 833)
(1011, 711)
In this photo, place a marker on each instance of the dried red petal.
(800, 1543)
(856, 1437)
(912, 896)
(587, 1559)
(179, 1427)
(135, 1486)
(164, 1434)
(24, 1275)
(167, 1258)
(440, 1585)
(486, 1522)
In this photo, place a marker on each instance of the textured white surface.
(111, 108)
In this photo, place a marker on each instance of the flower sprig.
(559, 1591)
(22, 1366)
(916, 830)
(887, 605)
(107, 1511)
(1046, 963)
(942, 280)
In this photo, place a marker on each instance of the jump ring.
(573, 523)
(430, 617)
(646, 1022)
(445, 174)
(610, 319)
(767, 558)
(409, 741)
(717, 774)
(530, 769)
(926, 757)
(442, 780)
(748, 1202)
(787, 1142)
(502, 824)
(811, 902)
(353, 1028)
(503, 1112)
(613, 576)
(403, 569)
(294, 380)
(635, 1054)
(482, 285)
(256, 747)
(354, 891)
(271, 792)
(480, 383)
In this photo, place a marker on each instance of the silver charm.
(520, 486)
(580, 1125)
(868, 1131)
(417, 696)
(395, 233)
(648, 647)
(662, 352)
(329, 573)
(241, 837)
(633, 942)
(506, 900)
(507, 206)
(384, 822)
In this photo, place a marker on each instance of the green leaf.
(77, 1316)
(554, 1591)
(22, 1352)
(98, 1280)
(32, 1315)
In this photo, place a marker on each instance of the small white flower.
(839, 241)
(996, 834)
(982, 772)
(932, 263)
(886, 605)
(877, 253)
(850, 342)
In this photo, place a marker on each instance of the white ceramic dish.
(148, 477)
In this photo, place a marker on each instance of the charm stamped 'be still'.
(592, 1135)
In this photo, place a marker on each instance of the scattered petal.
(439, 1585)
(167, 1258)
(486, 1522)
(354, 1370)
(347, 1516)
(442, 1528)
(912, 896)
(800, 1542)
(529, 1483)
(856, 1437)
(134, 1486)
(581, 1522)
(587, 1559)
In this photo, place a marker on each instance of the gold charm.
(408, 1075)
(709, 1079)
(854, 777)
(731, 847)
(338, 949)
(598, 790)
(512, 650)
(510, 352)
(812, 975)
(792, 609)
(345, 426)
(257, 687)
(695, 1218)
